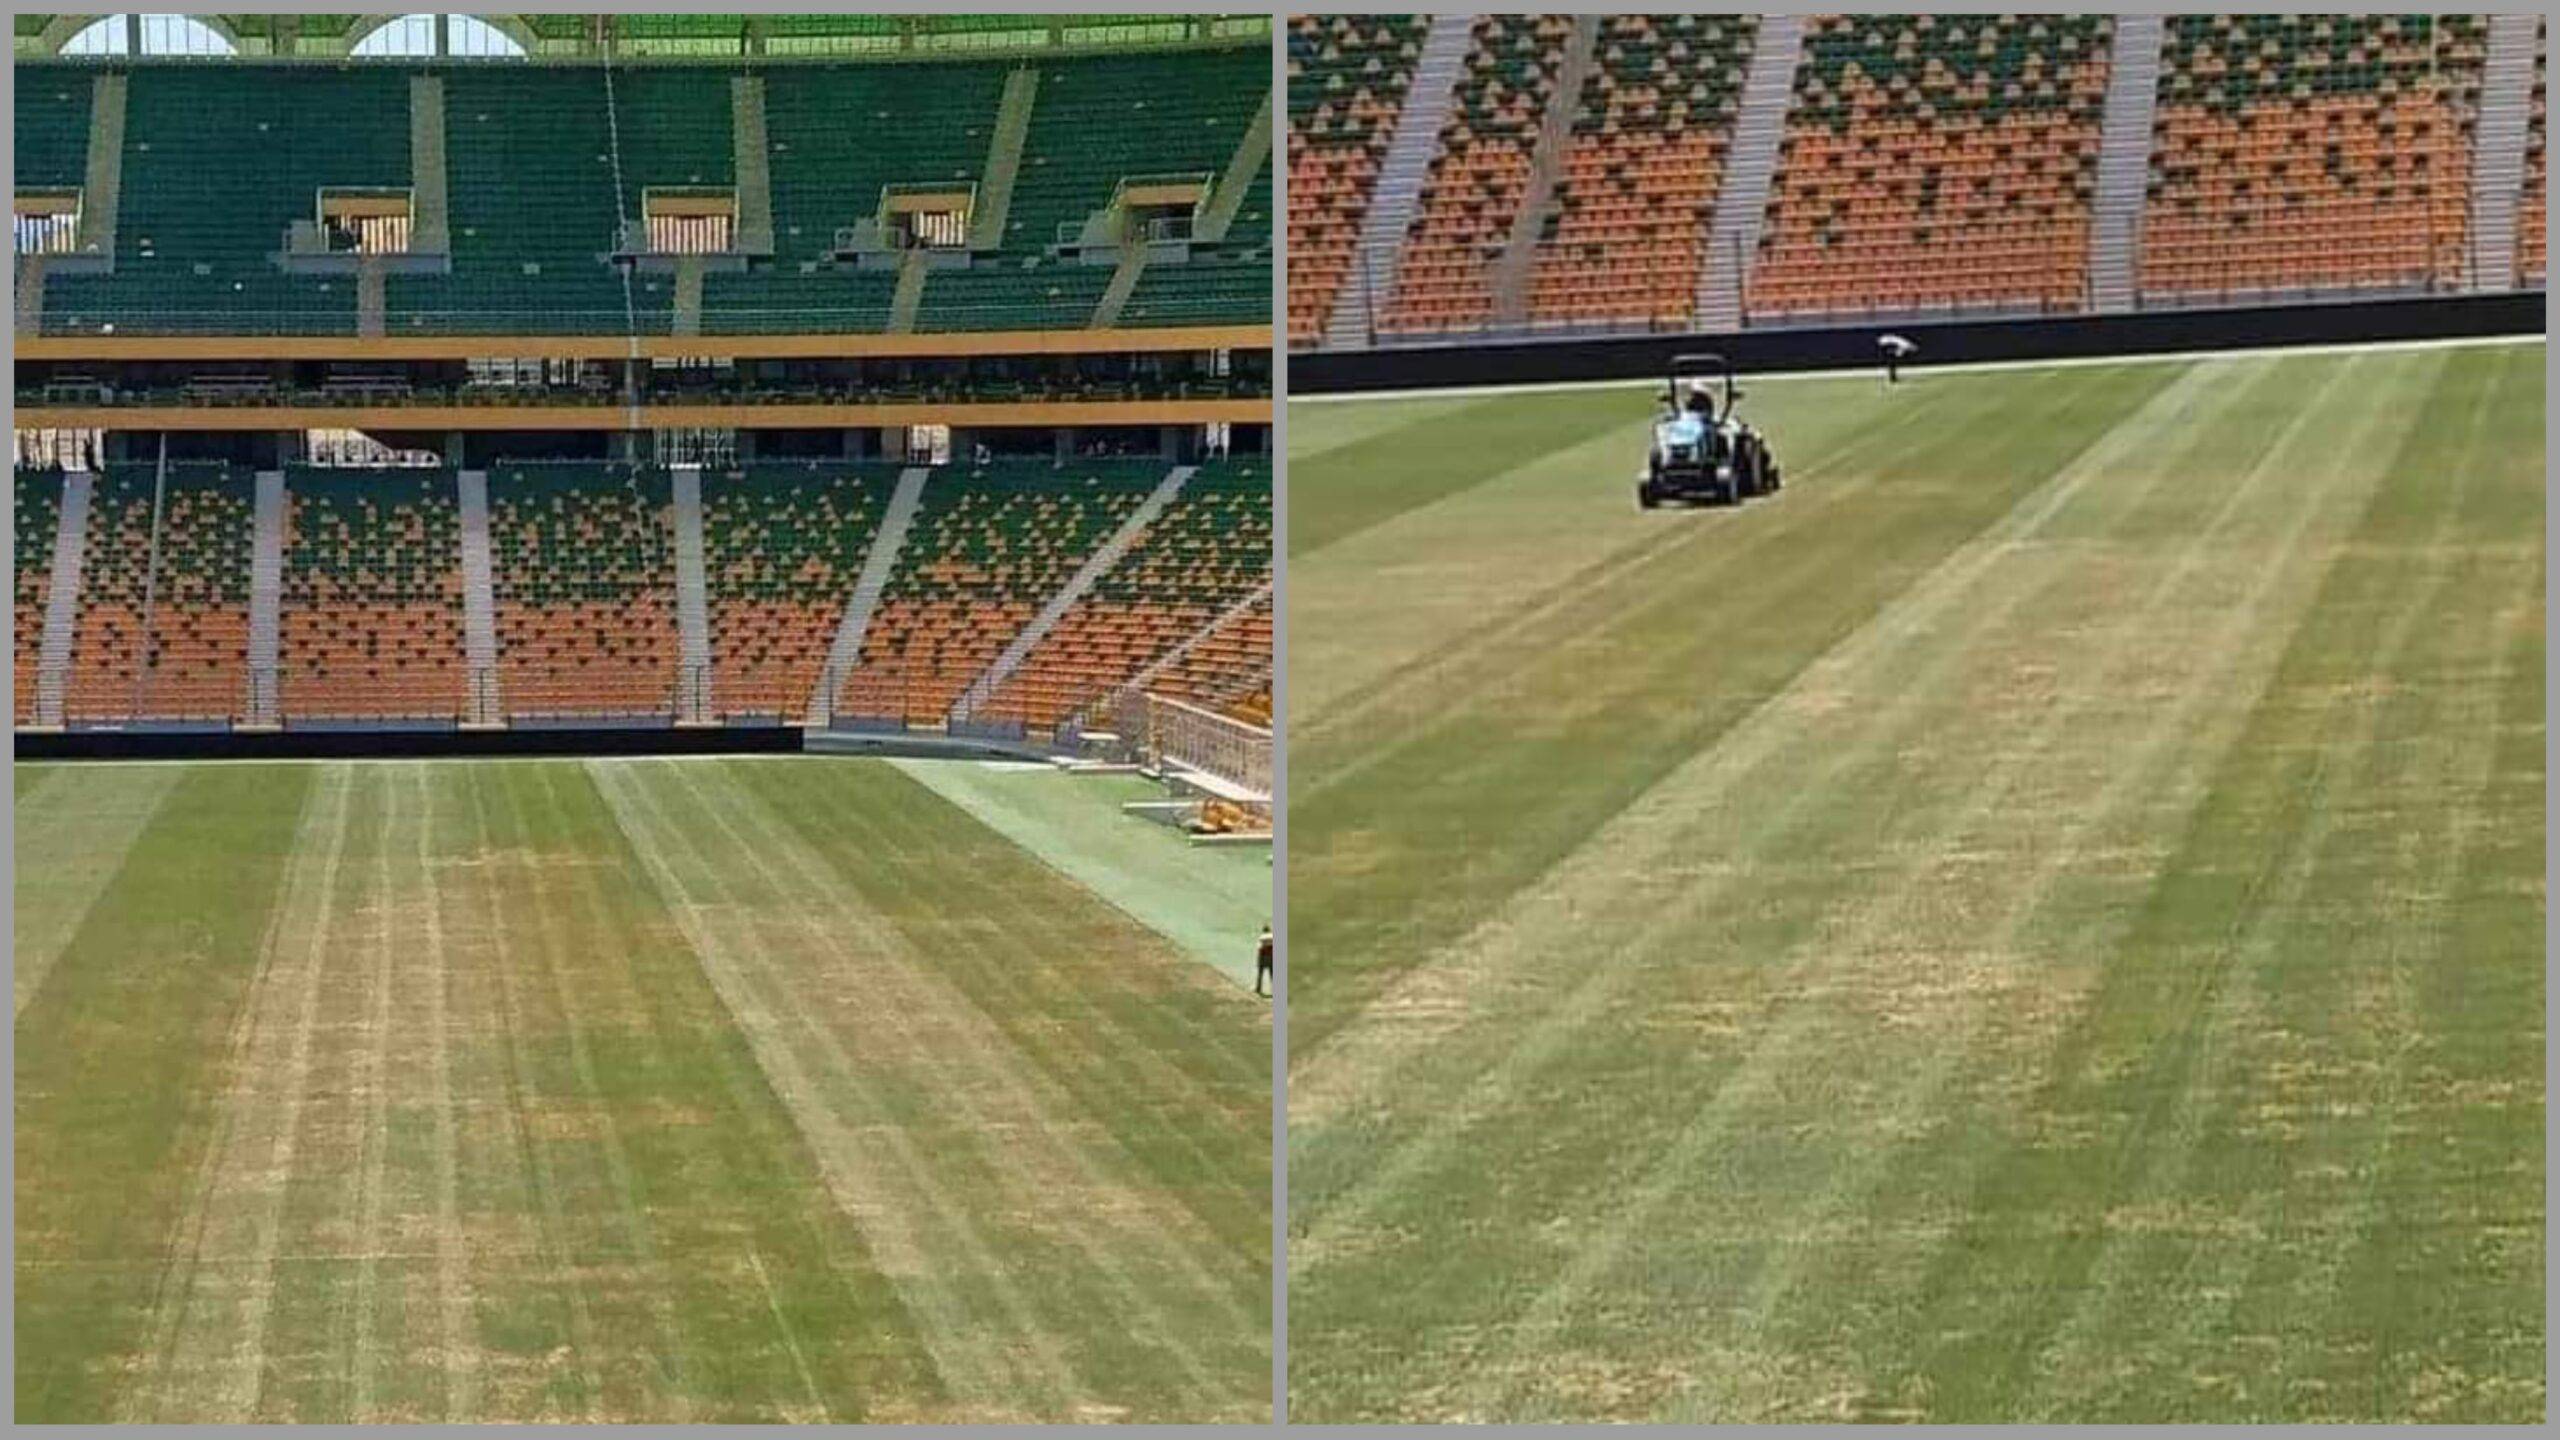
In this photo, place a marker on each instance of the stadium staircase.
(1399, 188)
(910, 295)
(1147, 675)
(754, 169)
(694, 702)
(102, 182)
(430, 216)
(479, 602)
(1509, 275)
(1759, 131)
(1236, 181)
(266, 601)
(2498, 149)
(370, 308)
(877, 565)
(1095, 566)
(1124, 282)
(687, 318)
(62, 603)
(987, 217)
(2124, 163)
(30, 294)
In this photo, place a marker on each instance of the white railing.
(1161, 730)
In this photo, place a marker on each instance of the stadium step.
(1095, 566)
(429, 227)
(62, 600)
(266, 599)
(695, 704)
(1508, 276)
(1004, 161)
(1369, 290)
(369, 297)
(1751, 162)
(754, 165)
(1147, 674)
(102, 181)
(1236, 181)
(877, 563)
(479, 601)
(687, 319)
(910, 296)
(1124, 280)
(2498, 149)
(2124, 164)
(30, 294)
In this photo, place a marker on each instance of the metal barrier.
(1159, 730)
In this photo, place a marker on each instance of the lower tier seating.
(783, 546)
(163, 632)
(37, 499)
(371, 623)
(1209, 549)
(987, 547)
(1228, 670)
(584, 567)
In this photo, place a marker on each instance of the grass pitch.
(2041, 920)
(622, 1090)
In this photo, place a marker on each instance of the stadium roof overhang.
(554, 36)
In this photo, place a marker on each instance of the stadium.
(2041, 918)
(643, 695)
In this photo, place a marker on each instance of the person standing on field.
(1262, 963)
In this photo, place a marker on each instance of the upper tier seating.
(584, 569)
(1209, 549)
(220, 159)
(1638, 184)
(1480, 177)
(989, 545)
(2297, 152)
(38, 512)
(1936, 161)
(371, 623)
(164, 640)
(783, 545)
(52, 136)
(1347, 80)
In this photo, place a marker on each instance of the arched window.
(413, 36)
(161, 35)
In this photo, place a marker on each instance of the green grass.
(661, 1090)
(2042, 920)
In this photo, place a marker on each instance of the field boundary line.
(1921, 370)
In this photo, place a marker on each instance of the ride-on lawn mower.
(1702, 451)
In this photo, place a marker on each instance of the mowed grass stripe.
(1718, 1195)
(84, 823)
(2251, 1038)
(1679, 655)
(1467, 567)
(1984, 615)
(118, 1069)
(571, 1197)
(1107, 1265)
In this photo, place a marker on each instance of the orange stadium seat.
(1347, 80)
(1638, 183)
(2310, 152)
(584, 572)
(163, 631)
(1936, 162)
(371, 625)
